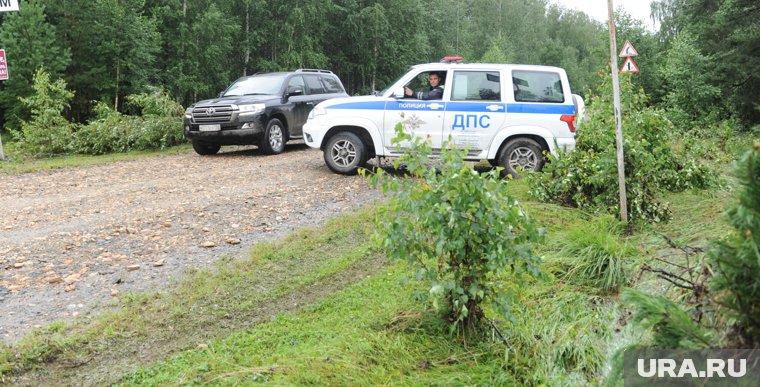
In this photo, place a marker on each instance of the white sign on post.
(8, 5)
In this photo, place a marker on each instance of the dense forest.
(702, 63)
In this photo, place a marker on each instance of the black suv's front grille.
(220, 113)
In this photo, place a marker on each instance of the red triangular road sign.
(628, 50)
(629, 66)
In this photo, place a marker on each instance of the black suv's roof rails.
(313, 71)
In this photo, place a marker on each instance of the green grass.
(20, 164)
(323, 307)
(359, 336)
(302, 268)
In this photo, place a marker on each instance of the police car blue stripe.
(371, 105)
(416, 105)
(540, 108)
(458, 107)
(492, 107)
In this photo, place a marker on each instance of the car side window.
(296, 82)
(537, 86)
(331, 84)
(314, 85)
(476, 86)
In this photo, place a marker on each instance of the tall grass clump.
(736, 259)
(465, 236)
(597, 257)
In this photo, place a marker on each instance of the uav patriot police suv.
(506, 114)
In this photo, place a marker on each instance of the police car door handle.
(435, 106)
(494, 108)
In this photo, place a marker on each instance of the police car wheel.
(273, 141)
(205, 149)
(521, 154)
(345, 153)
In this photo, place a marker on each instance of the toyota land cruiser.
(262, 109)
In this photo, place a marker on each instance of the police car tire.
(205, 149)
(345, 153)
(275, 132)
(525, 148)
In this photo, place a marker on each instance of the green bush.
(736, 259)
(587, 177)
(158, 126)
(462, 232)
(156, 103)
(48, 132)
(106, 133)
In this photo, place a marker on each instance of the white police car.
(504, 113)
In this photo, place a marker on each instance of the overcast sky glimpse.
(597, 9)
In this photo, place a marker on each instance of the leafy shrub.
(48, 132)
(461, 231)
(155, 103)
(157, 132)
(106, 133)
(597, 257)
(736, 259)
(587, 177)
(159, 126)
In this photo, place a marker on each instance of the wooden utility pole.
(2, 155)
(618, 118)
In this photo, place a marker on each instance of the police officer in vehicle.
(435, 92)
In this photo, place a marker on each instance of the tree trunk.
(247, 37)
(116, 96)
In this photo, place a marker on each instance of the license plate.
(209, 128)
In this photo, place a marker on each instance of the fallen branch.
(493, 325)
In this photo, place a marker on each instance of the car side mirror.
(295, 91)
(399, 92)
(221, 94)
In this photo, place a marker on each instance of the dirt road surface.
(73, 240)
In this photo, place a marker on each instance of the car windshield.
(394, 81)
(259, 84)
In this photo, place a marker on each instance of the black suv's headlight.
(254, 108)
(189, 113)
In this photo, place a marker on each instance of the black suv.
(266, 109)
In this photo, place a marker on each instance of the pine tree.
(736, 259)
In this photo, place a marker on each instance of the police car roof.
(479, 66)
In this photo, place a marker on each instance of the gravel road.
(73, 240)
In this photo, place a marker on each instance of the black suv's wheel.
(345, 153)
(273, 141)
(521, 154)
(205, 149)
